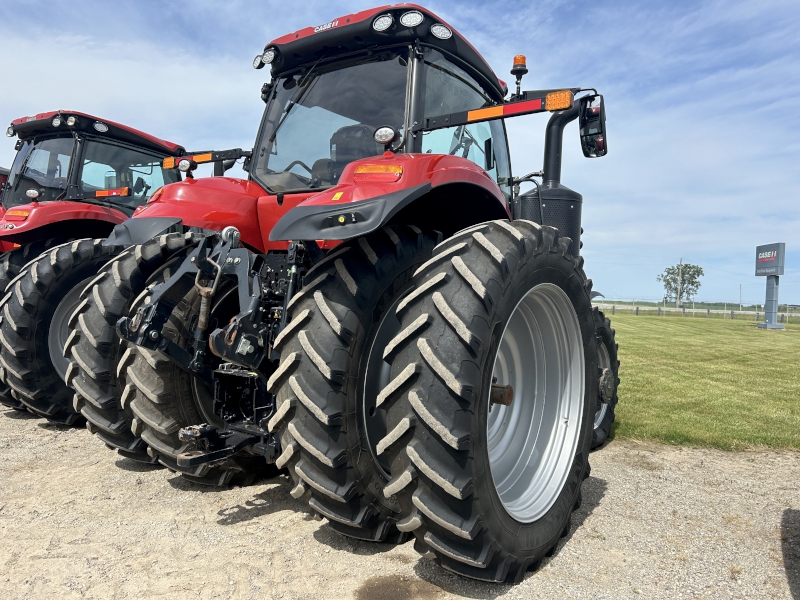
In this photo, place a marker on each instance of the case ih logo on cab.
(326, 26)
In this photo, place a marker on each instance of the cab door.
(447, 88)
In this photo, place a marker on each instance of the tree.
(681, 282)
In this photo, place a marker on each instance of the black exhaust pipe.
(552, 203)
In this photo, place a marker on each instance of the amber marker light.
(378, 173)
(202, 158)
(17, 215)
(168, 163)
(560, 100)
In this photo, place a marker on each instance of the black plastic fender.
(322, 221)
(138, 231)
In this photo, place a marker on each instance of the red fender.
(20, 223)
(366, 205)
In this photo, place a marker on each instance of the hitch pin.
(206, 294)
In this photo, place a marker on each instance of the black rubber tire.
(163, 398)
(11, 263)
(606, 404)
(444, 358)
(98, 356)
(320, 379)
(28, 309)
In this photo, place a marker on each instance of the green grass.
(708, 382)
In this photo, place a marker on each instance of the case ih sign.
(769, 259)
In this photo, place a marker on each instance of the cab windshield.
(50, 166)
(41, 165)
(319, 121)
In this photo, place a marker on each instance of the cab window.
(108, 167)
(450, 89)
(42, 165)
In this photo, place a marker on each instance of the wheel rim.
(59, 328)
(532, 442)
(378, 375)
(603, 363)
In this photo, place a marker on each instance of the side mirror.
(592, 123)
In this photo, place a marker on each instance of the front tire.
(488, 490)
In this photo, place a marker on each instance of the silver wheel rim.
(603, 363)
(59, 328)
(532, 442)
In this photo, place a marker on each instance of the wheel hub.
(607, 385)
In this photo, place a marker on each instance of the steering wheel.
(301, 163)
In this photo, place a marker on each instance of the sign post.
(769, 263)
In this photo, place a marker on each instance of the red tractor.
(74, 176)
(384, 314)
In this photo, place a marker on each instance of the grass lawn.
(708, 382)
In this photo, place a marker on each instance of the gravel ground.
(77, 521)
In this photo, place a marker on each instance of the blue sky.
(704, 151)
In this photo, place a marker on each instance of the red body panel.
(436, 169)
(216, 202)
(46, 213)
(211, 203)
(168, 146)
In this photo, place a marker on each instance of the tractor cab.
(360, 86)
(73, 157)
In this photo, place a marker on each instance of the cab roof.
(26, 127)
(354, 32)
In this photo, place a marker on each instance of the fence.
(661, 311)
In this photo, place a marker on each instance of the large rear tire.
(11, 263)
(36, 312)
(327, 382)
(608, 378)
(98, 357)
(489, 489)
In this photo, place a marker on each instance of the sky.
(704, 151)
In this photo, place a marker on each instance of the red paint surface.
(436, 169)
(46, 213)
(216, 202)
